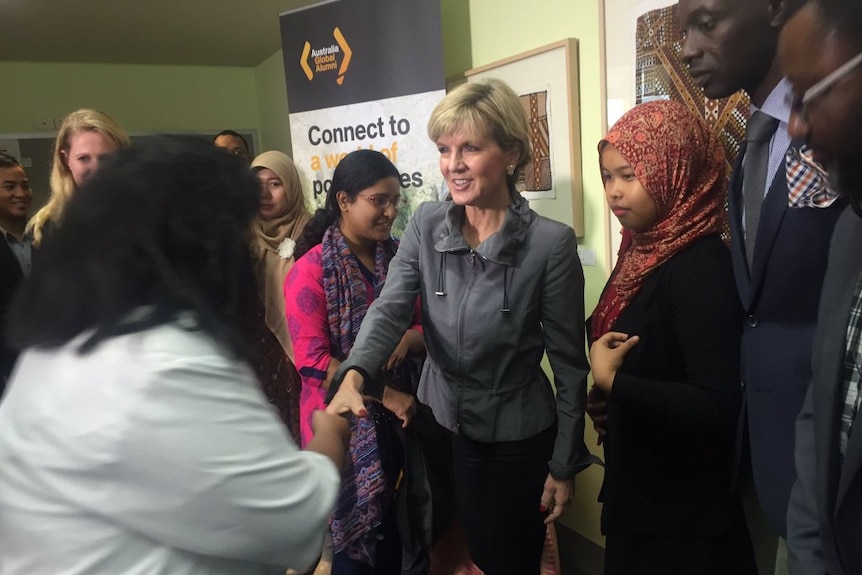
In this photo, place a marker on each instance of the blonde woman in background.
(86, 136)
(280, 221)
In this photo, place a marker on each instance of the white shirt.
(156, 453)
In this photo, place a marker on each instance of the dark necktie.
(758, 132)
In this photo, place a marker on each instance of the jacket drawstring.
(505, 308)
(441, 283)
(441, 278)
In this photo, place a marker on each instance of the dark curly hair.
(357, 171)
(161, 229)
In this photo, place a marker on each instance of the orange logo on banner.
(324, 59)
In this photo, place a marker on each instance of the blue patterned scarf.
(365, 492)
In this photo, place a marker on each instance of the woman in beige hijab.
(281, 218)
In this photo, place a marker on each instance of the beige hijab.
(271, 266)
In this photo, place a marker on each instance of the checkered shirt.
(852, 372)
(807, 182)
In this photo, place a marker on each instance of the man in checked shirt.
(821, 53)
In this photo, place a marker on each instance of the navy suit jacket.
(824, 520)
(11, 277)
(780, 293)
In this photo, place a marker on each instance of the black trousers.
(498, 487)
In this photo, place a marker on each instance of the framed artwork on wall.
(546, 79)
(643, 62)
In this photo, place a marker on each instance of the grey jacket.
(489, 316)
(824, 518)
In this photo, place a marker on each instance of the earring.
(510, 170)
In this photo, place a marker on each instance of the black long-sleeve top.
(674, 405)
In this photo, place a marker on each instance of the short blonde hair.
(487, 107)
(62, 183)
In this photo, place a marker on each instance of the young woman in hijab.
(665, 353)
(343, 265)
(280, 221)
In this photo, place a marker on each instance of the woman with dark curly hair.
(133, 435)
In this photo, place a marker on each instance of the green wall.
(272, 103)
(142, 98)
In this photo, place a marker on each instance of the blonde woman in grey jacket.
(499, 286)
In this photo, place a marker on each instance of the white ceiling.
(192, 32)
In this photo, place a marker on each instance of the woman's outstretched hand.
(331, 436)
(348, 398)
(606, 357)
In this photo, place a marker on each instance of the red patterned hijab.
(680, 163)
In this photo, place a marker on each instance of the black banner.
(349, 51)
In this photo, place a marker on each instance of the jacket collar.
(499, 247)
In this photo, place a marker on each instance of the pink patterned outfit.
(327, 296)
(305, 307)
(307, 320)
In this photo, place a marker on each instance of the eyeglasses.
(800, 105)
(383, 201)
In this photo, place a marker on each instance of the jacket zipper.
(472, 254)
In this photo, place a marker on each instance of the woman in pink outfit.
(343, 260)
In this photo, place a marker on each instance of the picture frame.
(546, 78)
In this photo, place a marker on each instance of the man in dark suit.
(15, 197)
(779, 240)
(821, 50)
